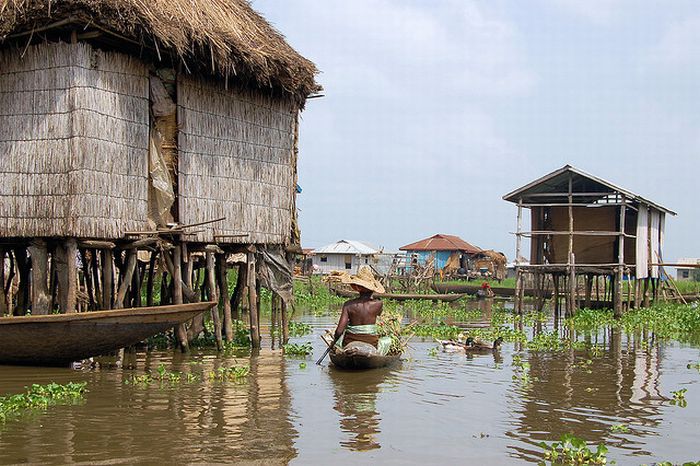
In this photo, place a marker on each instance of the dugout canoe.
(358, 361)
(446, 297)
(59, 339)
(473, 289)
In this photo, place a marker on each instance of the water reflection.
(355, 396)
(210, 420)
(586, 395)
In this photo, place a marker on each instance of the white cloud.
(596, 11)
(679, 46)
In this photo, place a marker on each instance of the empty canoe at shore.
(59, 339)
(447, 297)
(473, 289)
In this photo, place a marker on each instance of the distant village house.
(345, 255)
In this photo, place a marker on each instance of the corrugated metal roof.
(345, 246)
(557, 183)
(441, 242)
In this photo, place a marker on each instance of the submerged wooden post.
(41, 300)
(67, 276)
(181, 330)
(213, 296)
(253, 302)
(223, 287)
(284, 323)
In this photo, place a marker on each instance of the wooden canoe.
(351, 361)
(59, 339)
(446, 297)
(473, 289)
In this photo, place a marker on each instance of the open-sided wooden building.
(584, 230)
(163, 130)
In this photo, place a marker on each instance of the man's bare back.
(360, 311)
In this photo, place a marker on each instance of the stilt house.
(445, 250)
(585, 229)
(165, 126)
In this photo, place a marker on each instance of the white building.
(347, 255)
(686, 273)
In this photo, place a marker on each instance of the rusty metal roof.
(441, 242)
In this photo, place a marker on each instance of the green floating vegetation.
(679, 398)
(619, 428)
(299, 329)
(571, 450)
(316, 297)
(298, 349)
(666, 320)
(41, 397)
(231, 374)
(164, 376)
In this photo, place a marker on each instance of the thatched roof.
(226, 37)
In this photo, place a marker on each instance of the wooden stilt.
(67, 276)
(181, 330)
(107, 278)
(97, 285)
(126, 279)
(518, 288)
(3, 296)
(214, 296)
(149, 279)
(23, 278)
(253, 301)
(223, 287)
(285, 322)
(589, 289)
(41, 300)
(197, 323)
(238, 291)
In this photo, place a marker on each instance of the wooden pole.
(253, 301)
(223, 287)
(149, 279)
(620, 261)
(3, 296)
(213, 296)
(181, 330)
(125, 280)
(285, 322)
(238, 291)
(572, 272)
(67, 276)
(107, 278)
(41, 300)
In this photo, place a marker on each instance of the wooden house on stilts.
(141, 140)
(589, 237)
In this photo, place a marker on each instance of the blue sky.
(435, 109)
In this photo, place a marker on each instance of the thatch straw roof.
(226, 37)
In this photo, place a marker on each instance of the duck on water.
(470, 346)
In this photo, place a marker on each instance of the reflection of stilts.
(355, 401)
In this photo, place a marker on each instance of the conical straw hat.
(365, 279)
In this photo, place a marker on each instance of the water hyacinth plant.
(571, 450)
(41, 397)
(298, 349)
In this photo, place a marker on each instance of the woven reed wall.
(235, 153)
(74, 128)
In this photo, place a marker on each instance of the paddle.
(330, 347)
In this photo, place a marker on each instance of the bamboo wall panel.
(73, 142)
(587, 249)
(235, 161)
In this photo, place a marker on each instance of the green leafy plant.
(299, 329)
(571, 450)
(619, 428)
(41, 397)
(298, 349)
(233, 374)
(679, 397)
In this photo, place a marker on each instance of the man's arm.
(342, 323)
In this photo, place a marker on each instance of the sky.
(434, 109)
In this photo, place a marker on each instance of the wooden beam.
(41, 299)
(253, 302)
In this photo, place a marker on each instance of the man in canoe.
(358, 320)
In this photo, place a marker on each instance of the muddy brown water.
(428, 409)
